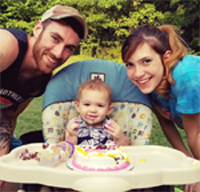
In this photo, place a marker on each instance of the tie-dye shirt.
(185, 91)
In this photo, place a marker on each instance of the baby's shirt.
(89, 135)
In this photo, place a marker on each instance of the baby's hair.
(160, 39)
(95, 84)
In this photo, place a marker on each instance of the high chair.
(132, 109)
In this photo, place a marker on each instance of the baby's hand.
(116, 131)
(72, 127)
(113, 129)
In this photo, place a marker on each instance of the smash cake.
(107, 157)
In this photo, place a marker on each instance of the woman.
(158, 62)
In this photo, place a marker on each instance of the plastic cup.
(56, 154)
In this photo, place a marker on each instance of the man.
(27, 62)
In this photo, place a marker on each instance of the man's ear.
(110, 109)
(37, 29)
(167, 54)
(76, 103)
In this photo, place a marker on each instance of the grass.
(31, 118)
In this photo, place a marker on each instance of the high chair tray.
(153, 166)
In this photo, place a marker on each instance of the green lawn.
(31, 118)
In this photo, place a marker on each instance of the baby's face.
(93, 106)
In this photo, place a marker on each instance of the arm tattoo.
(5, 133)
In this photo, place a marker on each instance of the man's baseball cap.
(59, 12)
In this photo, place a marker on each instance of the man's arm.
(8, 49)
(7, 125)
(8, 53)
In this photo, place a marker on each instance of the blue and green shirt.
(185, 91)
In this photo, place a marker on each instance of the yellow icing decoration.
(127, 159)
(99, 154)
(112, 155)
(81, 151)
(142, 160)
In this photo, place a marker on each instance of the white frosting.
(92, 159)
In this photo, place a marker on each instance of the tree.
(186, 16)
(110, 21)
(21, 14)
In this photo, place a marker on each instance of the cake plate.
(153, 166)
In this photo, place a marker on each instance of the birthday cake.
(100, 158)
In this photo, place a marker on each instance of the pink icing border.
(95, 150)
(85, 168)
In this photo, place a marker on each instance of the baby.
(92, 127)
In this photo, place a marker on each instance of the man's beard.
(37, 53)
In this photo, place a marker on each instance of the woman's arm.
(172, 133)
(192, 128)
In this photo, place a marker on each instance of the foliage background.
(110, 21)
